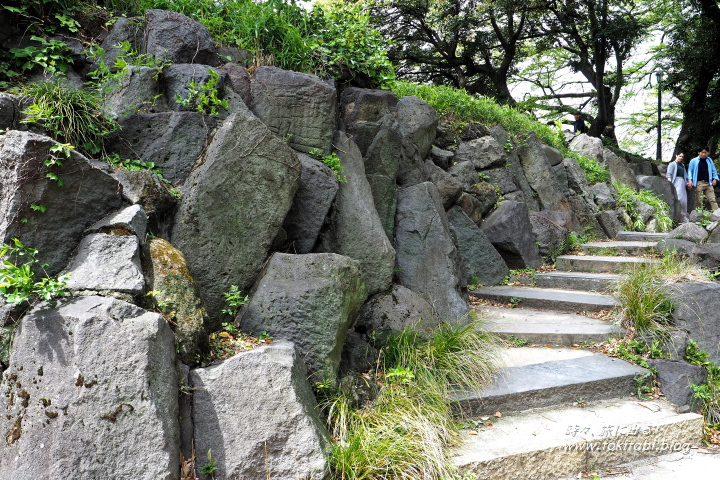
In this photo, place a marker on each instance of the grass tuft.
(404, 432)
(71, 115)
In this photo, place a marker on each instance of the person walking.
(676, 174)
(703, 176)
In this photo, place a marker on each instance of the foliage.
(457, 107)
(405, 430)
(708, 393)
(334, 39)
(332, 161)
(71, 115)
(691, 61)
(106, 78)
(627, 198)
(472, 45)
(50, 55)
(17, 282)
(645, 305)
(234, 300)
(203, 98)
(344, 45)
(132, 164)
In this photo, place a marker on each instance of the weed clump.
(405, 429)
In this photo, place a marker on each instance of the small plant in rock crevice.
(203, 98)
(18, 282)
(331, 161)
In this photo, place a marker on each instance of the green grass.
(645, 305)
(405, 431)
(626, 199)
(71, 115)
(457, 107)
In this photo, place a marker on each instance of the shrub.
(333, 40)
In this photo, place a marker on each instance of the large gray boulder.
(577, 182)
(92, 383)
(509, 230)
(486, 194)
(354, 228)
(144, 188)
(310, 300)
(180, 39)
(138, 91)
(393, 311)
(386, 149)
(427, 260)
(297, 107)
(233, 207)
(178, 81)
(482, 153)
(130, 219)
(87, 195)
(696, 311)
(554, 156)
(362, 112)
(107, 263)
(675, 379)
(540, 175)
(448, 186)
(237, 82)
(664, 190)
(256, 413)
(689, 231)
(515, 166)
(619, 169)
(173, 141)
(604, 195)
(551, 235)
(483, 264)
(610, 223)
(384, 192)
(418, 123)
(472, 207)
(707, 256)
(583, 220)
(177, 294)
(315, 195)
(589, 146)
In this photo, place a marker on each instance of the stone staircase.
(556, 409)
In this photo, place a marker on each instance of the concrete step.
(542, 327)
(547, 298)
(673, 466)
(627, 248)
(585, 281)
(598, 264)
(562, 441)
(640, 236)
(540, 377)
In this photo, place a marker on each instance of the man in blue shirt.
(703, 176)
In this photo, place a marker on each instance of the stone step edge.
(560, 459)
(600, 302)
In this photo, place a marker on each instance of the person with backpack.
(703, 176)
